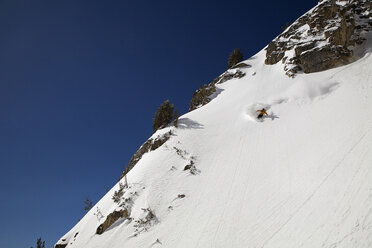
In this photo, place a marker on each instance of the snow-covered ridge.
(325, 37)
(302, 177)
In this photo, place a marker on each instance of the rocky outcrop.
(149, 145)
(60, 245)
(203, 95)
(111, 219)
(240, 65)
(323, 38)
(324, 58)
(273, 53)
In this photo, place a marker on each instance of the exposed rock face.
(324, 58)
(273, 54)
(240, 65)
(111, 218)
(323, 38)
(203, 95)
(149, 145)
(60, 246)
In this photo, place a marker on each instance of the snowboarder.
(262, 113)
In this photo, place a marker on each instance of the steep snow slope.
(300, 178)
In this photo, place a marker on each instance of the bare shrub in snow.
(144, 223)
(127, 203)
(118, 194)
(181, 153)
(99, 214)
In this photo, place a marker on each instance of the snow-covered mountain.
(302, 177)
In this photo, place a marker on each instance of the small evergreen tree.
(88, 204)
(235, 57)
(39, 243)
(163, 115)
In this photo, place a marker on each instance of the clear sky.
(80, 82)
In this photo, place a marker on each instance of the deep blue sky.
(80, 82)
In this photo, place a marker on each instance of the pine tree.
(88, 204)
(235, 57)
(39, 243)
(163, 115)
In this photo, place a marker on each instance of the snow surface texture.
(300, 178)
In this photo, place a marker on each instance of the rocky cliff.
(323, 38)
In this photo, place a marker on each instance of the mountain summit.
(300, 177)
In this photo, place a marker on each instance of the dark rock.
(191, 168)
(149, 145)
(228, 76)
(202, 95)
(304, 47)
(328, 10)
(341, 36)
(241, 65)
(324, 58)
(111, 218)
(60, 245)
(303, 19)
(273, 53)
(274, 58)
